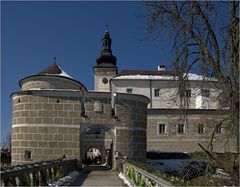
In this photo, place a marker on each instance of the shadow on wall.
(166, 155)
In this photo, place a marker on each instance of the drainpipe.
(150, 85)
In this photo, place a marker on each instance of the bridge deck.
(98, 178)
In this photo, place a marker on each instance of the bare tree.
(205, 37)
(9, 141)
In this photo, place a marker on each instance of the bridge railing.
(139, 177)
(36, 174)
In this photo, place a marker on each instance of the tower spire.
(106, 58)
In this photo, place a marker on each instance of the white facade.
(102, 78)
(163, 91)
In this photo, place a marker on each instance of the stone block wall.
(48, 124)
(44, 143)
(50, 82)
(131, 129)
(188, 141)
(45, 125)
(34, 109)
(129, 122)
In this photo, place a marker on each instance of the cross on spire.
(106, 28)
(54, 60)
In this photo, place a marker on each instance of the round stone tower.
(44, 112)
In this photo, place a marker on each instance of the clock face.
(105, 80)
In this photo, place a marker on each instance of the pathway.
(98, 178)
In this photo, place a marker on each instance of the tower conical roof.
(54, 69)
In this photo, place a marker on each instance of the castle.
(129, 113)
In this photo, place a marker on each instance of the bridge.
(67, 173)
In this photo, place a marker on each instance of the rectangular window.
(219, 129)
(28, 155)
(188, 93)
(162, 129)
(181, 129)
(156, 92)
(129, 90)
(200, 128)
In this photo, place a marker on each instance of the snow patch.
(165, 165)
(121, 176)
(66, 180)
(190, 76)
(64, 74)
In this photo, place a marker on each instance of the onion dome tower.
(105, 67)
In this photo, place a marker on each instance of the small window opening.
(181, 129)
(188, 93)
(28, 155)
(129, 90)
(219, 129)
(162, 129)
(200, 128)
(156, 92)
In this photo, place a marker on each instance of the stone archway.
(93, 157)
(101, 138)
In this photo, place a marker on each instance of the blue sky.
(33, 33)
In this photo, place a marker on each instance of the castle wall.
(46, 126)
(49, 124)
(50, 82)
(188, 141)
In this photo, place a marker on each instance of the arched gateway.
(97, 144)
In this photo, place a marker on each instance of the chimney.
(161, 68)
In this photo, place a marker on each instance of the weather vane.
(54, 60)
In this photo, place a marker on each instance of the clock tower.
(105, 67)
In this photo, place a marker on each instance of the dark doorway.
(93, 157)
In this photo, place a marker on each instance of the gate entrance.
(93, 157)
(97, 146)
